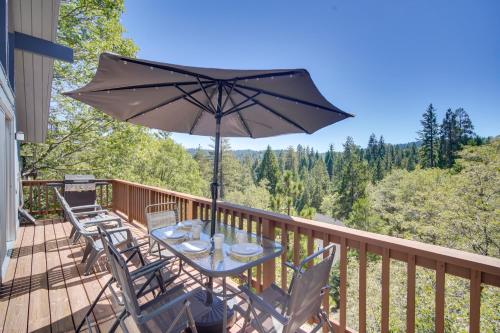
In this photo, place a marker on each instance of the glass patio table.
(219, 263)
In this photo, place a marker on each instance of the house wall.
(9, 175)
(8, 148)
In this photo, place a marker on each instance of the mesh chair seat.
(275, 310)
(275, 297)
(160, 323)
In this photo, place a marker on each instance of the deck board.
(60, 310)
(6, 288)
(16, 319)
(39, 310)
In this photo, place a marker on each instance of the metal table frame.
(217, 257)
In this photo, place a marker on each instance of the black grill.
(79, 190)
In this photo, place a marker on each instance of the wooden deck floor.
(44, 289)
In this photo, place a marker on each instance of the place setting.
(244, 250)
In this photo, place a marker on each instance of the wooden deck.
(44, 289)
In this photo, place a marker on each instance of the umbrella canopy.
(208, 101)
(174, 98)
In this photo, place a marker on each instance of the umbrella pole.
(215, 185)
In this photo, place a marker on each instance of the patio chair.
(170, 311)
(159, 216)
(147, 276)
(275, 310)
(90, 216)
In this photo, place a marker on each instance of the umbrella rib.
(235, 107)
(167, 67)
(196, 121)
(228, 94)
(274, 112)
(233, 110)
(243, 121)
(263, 76)
(270, 93)
(198, 117)
(209, 98)
(160, 105)
(149, 85)
(194, 100)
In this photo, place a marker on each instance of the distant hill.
(241, 154)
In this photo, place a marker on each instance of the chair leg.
(192, 324)
(76, 237)
(94, 255)
(325, 318)
(94, 303)
(118, 322)
(151, 245)
(86, 252)
(72, 233)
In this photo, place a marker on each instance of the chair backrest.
(120, 272)
(161, 215)
(68, 213)
(307, 289)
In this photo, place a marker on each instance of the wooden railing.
(129, 200)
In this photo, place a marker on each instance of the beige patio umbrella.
(208, 101)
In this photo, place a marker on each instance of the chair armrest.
(103, 220)
(135, 247)
(91, 212)
(291, 266)
(148, 268)
(262, 305)
(86, 207)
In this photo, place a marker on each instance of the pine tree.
(329, 161)
(352, 178)
(429, 137)
(291, 162)
(449, 140)
(372, 150)
(465, 126)
(269, 170)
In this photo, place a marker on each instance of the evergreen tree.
(465, 126)
(372, 150)
(351, 179)
(329, 161)
(429, 138)
(412, 158)
(269, 170)
(291, 162)
(449, 140)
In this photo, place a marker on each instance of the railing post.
(190, 210)
(269, 272)
(128, 203)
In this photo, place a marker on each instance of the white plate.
(195, 246)
(174, 233)
(246, 249)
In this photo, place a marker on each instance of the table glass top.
(218, 263)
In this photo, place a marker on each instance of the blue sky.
(384, 61)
